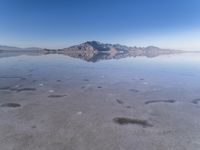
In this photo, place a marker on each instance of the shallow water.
(68, 103)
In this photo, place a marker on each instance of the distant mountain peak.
(152, 48)
(93, 42)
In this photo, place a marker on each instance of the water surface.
(58, 102)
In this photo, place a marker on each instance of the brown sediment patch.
(195, 101)
(134, 90)
(126, 121)
(56, 96)
(12, 105)
(119, 101)
(160, 101)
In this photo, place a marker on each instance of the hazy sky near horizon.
(171, 24)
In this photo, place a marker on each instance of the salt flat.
(54, 102)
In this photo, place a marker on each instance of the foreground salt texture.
(58, 103)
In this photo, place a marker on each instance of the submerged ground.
(54, 102)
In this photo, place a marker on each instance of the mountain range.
(94, 51)
(12, 48)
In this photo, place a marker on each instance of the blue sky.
(60, 23)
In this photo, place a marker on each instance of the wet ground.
(54, 102)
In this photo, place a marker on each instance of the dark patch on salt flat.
(5, 88)
(134, 90)
(119, 101)
(17, 89)
(128, 107)
(195, 101)
(58, 80)
(99, 87)
(85, 80)
(24, 89)
(34, 81)
(56, 96)
(12, 105)
(14, 77)
(126, 121)
(34, 127)
(160, 101)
